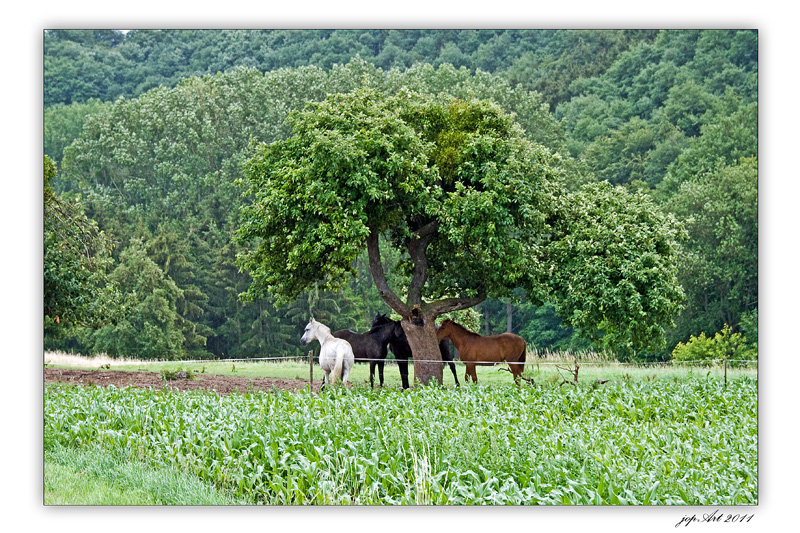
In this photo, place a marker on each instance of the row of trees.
(161, 174)
(106, 64)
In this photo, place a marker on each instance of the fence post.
(725, 366)
(311, 369)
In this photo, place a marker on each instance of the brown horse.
(476, 350)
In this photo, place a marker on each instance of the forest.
(147, 134)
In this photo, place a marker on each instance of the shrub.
(723, 344)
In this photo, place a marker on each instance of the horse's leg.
(380, 372)
(516, 370)
(403, 365)
(519, 366)
(371, 374)
(453, 370)
(471, 373)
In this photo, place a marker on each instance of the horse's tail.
(338, 365)
(521, 358)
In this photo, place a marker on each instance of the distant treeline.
(106, 64)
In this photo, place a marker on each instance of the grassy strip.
(548, 370)
(97, 477)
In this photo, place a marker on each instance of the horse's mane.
(462, 328)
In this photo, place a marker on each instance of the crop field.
(681, 440)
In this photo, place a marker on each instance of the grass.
(547, 369)
(96, 477)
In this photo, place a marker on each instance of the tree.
(719, 269)
(77, 256)
(475, 207)
(151, 327)
(613, 268)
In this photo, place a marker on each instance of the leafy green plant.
(724, 344)
(686, 442)
(172, 375)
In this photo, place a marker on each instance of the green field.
(637, 440)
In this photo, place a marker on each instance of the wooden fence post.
(311, 369)
(725, 366)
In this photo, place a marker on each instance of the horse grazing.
(402, 351)
(370, 347)
(476, 350)
(335, 355)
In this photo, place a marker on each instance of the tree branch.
(417, 250)
(454, 304)
(379, 277)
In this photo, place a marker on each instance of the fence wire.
(304, 358)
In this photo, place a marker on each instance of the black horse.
(371, 347)
(402, 351)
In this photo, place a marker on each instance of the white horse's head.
(313, 331)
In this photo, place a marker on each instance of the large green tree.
(151, 327)
(475, 207)
(719, 269)
(77, 257)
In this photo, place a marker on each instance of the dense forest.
(146, 134)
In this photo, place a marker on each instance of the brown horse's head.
(443, 329)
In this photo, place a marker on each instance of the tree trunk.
(418, 319)
(421, 335)
(509, 316)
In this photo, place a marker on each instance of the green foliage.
(172, 375)
(131, 64)
(63, 124)
(151, 325)
(77, 290)
(82, 64)
(569, 56)
(544, 329)
(636, 152)
(355, 165)
(687, 442)
(724, 344)
(630, 122)
(367, 162)
(719, 268)
(730, 134)
(311, 212)
(614, 268)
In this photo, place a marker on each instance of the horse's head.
(380, 320)
(310, 332)
(443, 329)
(392, 327)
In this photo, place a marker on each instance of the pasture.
(549, 368)
(647, 436)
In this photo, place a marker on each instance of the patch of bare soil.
(152, 380)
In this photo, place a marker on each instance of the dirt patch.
(153, 380)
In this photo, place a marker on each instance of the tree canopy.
(77, 257)
(475, 207)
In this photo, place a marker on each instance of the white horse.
(335, 355)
